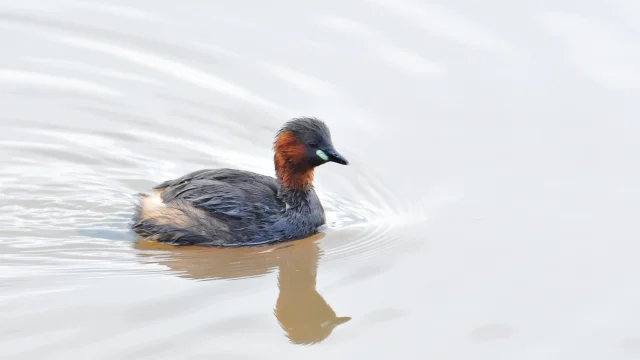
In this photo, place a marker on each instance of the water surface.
(489, 210)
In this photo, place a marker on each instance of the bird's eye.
(313, 144)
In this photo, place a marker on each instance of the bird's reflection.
(301, 311)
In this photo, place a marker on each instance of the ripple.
(85, 207)
(179, 70)
(68, 187)
(77, 66)
(119, 10)
(35, 79)
(85, 216)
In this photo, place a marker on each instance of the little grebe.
(228, 207)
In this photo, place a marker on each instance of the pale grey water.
(489, 211)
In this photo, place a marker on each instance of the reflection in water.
(301, 311)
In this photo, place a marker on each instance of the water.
(489, 211)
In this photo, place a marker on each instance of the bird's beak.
(336, 157)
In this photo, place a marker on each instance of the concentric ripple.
(67, 201)
(95, 115)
